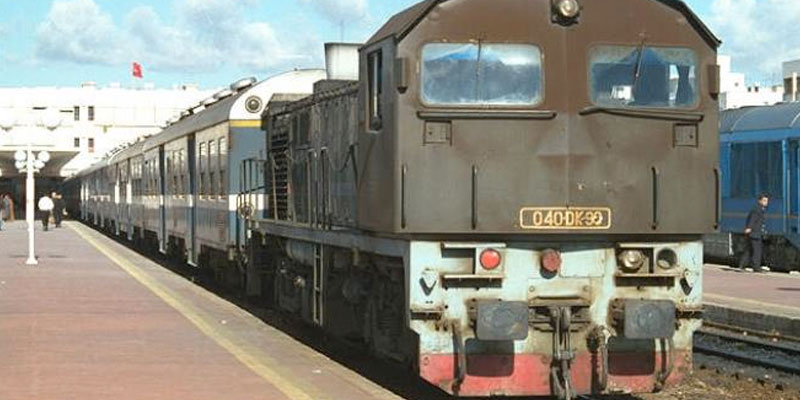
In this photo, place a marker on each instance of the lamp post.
(25, 161)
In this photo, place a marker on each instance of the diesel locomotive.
(508, 195)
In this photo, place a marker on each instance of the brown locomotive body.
(511, 198)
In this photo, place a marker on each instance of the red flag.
(137, 70)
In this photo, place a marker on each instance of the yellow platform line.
(251, 362)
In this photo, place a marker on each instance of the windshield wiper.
(667, 115)
(637, 71)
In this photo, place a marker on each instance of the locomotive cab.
(468, 125)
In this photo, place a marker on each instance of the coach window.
(212, 160)
(202, 168)
(375, 72)
(151, 178)
(481, 74)
(184, 177)
(173, 177)
(148, 179)
(756, 168)
(76, 113)
(223, 163)
(90, 113)
(643, 76)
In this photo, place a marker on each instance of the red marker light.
(490, 259)
(551, 261)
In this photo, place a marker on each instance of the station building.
(79, 125)
(736, 93)
(791, 80)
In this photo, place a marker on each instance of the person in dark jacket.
(58, 208)
(755, 230)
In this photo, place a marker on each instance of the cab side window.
(375, 75)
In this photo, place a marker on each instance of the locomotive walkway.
(94, 320)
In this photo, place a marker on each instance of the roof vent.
(243, 84)
(223, 94)
(341, 61)
(209, 101)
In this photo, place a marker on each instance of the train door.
(162, 198)
(116, 207)
(129, 198)
(95, 182)
(793, 188)
(191, 232)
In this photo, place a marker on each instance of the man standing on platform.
(46, 208)
(58, 209)
(755, 230)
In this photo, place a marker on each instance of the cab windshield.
(479, 74)
(643, 76)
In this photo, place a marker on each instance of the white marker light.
(568, 8)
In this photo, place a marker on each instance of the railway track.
(757, 349)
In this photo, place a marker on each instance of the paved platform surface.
(758, 302)
(94, 320)
(771, 293)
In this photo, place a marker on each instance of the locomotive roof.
(763, 118)
(402, 23)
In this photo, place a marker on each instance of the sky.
(214, 42)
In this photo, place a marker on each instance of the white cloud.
(340, 10)
(204, 36)
(79, 31)
(758, 34)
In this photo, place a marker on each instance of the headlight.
(667, 259)
(631, 260)
(568, 8)
(253, 104)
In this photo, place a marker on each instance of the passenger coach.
(759, 153)
(175, 192)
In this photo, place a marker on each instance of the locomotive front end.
(553, 166)
(522, 318)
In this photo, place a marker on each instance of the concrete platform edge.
(750, 320)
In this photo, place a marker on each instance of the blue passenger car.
(760, 148)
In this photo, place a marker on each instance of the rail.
(766, 350)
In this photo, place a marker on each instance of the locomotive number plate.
(559, 218)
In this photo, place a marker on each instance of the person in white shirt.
(46, 207)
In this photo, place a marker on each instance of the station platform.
(762, 302)
(95, 320)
